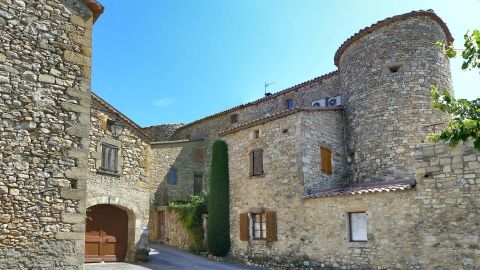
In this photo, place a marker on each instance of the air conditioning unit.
(328, 102)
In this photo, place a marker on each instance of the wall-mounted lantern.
(117, 128)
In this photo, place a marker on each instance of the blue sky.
(165, 61)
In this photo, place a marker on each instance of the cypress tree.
(218, 202)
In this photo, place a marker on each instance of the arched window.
(172, 176)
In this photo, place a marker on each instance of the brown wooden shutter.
(251, 163)
(326, 156)
(271, 218)
(243, 226)
(258, 162)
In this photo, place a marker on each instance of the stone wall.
(432, 226)
(448, 201)
(45, 50)
(323, 129)
(303, 95)
(178, 158)
(175, 233)
(386, 77)
(130, 189)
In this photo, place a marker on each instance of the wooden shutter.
(258, 162)
(243, 226)
(271, 218)
(326, 156)
(251, 163)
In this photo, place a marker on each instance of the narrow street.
(168, 258)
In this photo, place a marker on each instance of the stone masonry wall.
(323, 128)
(175, 233)
(131, 189)
(178, 157)
(433, 226)
(381, 131)
(303, 97)
(45, 50)
(448, 199)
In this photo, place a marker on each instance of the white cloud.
(163, 102)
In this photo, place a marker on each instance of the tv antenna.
(267, 84)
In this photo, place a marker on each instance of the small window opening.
(256, 134)
(289, 103)
(358, 226)
(74, 184)
(285, 131)
(234, 118)
(394, 69)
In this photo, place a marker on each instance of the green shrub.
(218, 202)
(190, 215)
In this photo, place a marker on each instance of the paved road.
(168, 258)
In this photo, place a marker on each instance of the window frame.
(263, 225)
(253, 156)
(197, 175)
(111, 168)
(289, 103)
(350, 228)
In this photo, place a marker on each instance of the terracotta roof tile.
(96, 8)
(375, 187)
(367, 30)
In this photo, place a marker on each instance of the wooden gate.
(106, 234)
(161, 225)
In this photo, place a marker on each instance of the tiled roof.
(375, 187)
(175, 142)
(122, 117)
(276, 116)
(368, 30)
(96, 8)
(290, 89)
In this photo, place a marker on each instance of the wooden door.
(161, 225)
(106, 234)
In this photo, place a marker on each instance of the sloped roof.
(366, 188)
(368, 30)
(121, 116)
(282, 92)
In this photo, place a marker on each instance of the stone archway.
(134, 220)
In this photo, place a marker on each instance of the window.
(197, 183)
(358, 226)
(256, 134)
(258, 226)
(256, 162)
(109, 158)
(289, 103)
(199, 155)
(234, 118)
(326, 160)
(172, 176)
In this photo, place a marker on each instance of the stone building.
(332, 172)
(45, 70)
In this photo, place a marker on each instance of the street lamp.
(117, 128)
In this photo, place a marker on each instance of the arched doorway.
(106, 234)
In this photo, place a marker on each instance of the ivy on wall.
(190, 215)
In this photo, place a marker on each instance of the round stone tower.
(386, 73)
